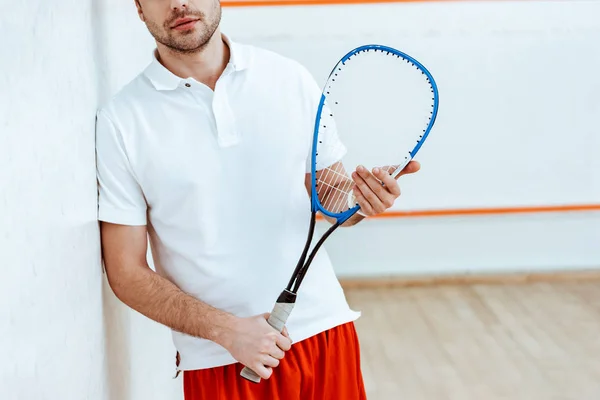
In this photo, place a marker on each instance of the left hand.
(373, 197)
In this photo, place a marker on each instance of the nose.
(179, 4)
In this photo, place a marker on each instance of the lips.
(184, 23)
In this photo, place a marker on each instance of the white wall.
(51, 313)
(64, 334)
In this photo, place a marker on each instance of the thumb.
(410, 168)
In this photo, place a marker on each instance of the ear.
(139, 9)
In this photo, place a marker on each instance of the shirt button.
(188, 85)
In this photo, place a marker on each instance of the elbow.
(117, 281)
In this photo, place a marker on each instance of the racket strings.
(333, 187)
(379, 104)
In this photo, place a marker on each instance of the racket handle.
(277, 319)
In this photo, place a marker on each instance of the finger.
(385, 194)
(362, 202)
(262, 371)
(285, 333)
(411, 168)
(269, 361)
(368, 195)
(390, 169)
(276, 352)
(371, 181)
(284, 343)
(388, 181)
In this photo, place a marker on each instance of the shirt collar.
(163, 79)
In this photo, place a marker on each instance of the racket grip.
(277, 319)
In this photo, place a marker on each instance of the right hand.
(256, 344)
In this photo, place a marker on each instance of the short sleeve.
(330, 148)
(120, 197)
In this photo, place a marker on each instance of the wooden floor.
(538, 341)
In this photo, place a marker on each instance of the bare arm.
(251, 340)
(139, 287)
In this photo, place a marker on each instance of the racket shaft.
(277, 319)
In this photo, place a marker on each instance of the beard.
(186, 42)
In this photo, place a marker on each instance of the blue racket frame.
(315, 203)
(287, 298)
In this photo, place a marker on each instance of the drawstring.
(177, 360)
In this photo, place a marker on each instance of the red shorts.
(322, 367)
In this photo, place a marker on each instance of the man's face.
(184, 26)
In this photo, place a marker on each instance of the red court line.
(279, 3)
(488, 211)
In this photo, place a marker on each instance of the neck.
(205, 65)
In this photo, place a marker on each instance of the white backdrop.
(64, 335)
(51, 312)
(530, 76)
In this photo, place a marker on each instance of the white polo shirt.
(218, 177)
